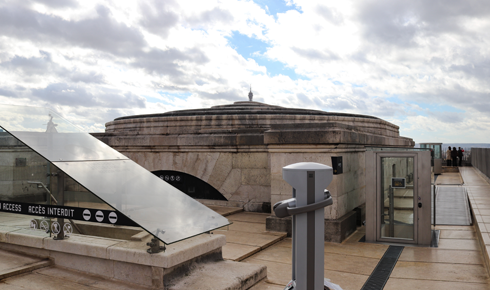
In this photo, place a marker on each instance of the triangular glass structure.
(135, 193)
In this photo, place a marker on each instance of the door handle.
(420, 204)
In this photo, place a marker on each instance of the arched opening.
(189, 184)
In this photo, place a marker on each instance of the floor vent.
(382, 272)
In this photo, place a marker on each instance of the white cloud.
(395, 60)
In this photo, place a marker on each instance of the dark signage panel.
(68, 212)
(337, 165)
(398, 182)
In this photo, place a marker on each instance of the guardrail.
(480, 159)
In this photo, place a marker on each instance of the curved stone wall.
(240, 149)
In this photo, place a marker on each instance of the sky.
(422, 65)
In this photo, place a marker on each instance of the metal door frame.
(380, 205)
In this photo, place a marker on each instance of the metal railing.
(480, 158)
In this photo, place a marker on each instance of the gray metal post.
(434, 203)
(391, 210)
(309, 181)
(293, 246)
(61, 201)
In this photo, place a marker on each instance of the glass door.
(396, 195)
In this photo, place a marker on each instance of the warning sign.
(56, 211)
(113, 217)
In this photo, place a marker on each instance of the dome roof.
(245, 108)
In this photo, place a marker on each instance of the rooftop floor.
(458, 262)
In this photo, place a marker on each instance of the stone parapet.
(121, 260)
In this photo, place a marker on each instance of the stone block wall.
(243, 178)
(347, 189)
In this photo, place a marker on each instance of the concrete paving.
(478, 188)
(449, 178)
(458, 262)
(247, 235)
(59, 278)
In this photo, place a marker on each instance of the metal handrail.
(55, 201)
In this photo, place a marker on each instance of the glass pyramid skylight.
(159, 208)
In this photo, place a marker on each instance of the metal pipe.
(392, 211)
(55, 202)
(61, 197)
(435, 196)
(45, 188)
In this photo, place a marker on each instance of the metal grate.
(452, 206)
(382, 272)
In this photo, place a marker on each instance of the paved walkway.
(478, 187)
(246, 235)
(458, 262)
(449, 178)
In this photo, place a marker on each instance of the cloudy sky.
(423, 65)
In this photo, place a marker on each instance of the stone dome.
(249, 122)
(245, 108)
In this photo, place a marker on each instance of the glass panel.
(437, 151)
(436, 147)
(157, 206)
(41, 129)
(27, 177)
(397, 194)
(150, 202)
(20, 170)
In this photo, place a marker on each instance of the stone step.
(225, 210)
(13, 264)
(241, 245)
(247, 235)
(220, 275)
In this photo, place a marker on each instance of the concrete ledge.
(111, 258)
(25, 269)
(482, 232)
(222, 275)
(335, 230)
(446, 169)
(339, 229)
(117, 250)
(476, 191)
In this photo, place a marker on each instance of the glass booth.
(398, 195)
(436, 153)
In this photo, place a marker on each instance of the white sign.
(99, 216)
(55, 228)
(87, 215)
(44, 225)
(33, 224)
(67, 229)
(113, 217)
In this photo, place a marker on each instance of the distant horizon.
(464, 145)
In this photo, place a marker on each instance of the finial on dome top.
(250, 95)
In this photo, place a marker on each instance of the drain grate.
(382, 272)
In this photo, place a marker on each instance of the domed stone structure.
(240, 149)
